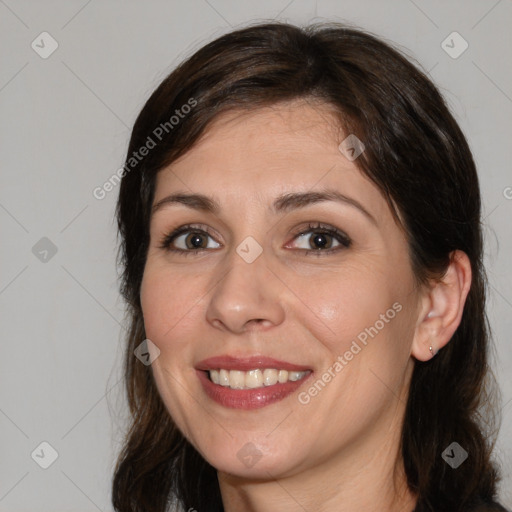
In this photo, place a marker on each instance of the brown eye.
(196, 241)
(321, 239)
(188, 239)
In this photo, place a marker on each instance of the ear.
(441, 308)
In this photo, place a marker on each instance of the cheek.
(168, 310)
(347, 306)
(167, 303)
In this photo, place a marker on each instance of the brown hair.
(417, 156)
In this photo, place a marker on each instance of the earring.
(431, 350)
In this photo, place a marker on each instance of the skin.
(341, 450)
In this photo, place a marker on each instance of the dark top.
(489, 507)
(482, 507)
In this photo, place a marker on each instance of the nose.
(247, 297)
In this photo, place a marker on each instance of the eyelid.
(321, 226)
(175, 233)
(343, 239)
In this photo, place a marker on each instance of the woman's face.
(316, 292)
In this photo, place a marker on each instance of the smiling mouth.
(253, 379)
(250, 382)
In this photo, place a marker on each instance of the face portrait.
(294, 266)
(302, 257)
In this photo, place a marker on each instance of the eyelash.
(320, 228)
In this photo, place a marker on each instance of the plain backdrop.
(65, 120)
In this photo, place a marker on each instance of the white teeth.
(223, 377)
(236, 379)
(283, 375)
(214, 375)
(269, 377)
(253, 379)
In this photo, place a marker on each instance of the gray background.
(65, 124)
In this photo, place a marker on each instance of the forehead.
(248, 157)
(299, 125)
(284, 140)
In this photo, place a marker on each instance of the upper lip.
(227, 362)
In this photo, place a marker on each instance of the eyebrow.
(282, 204)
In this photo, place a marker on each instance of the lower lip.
(248, 398)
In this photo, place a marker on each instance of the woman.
(302, 253)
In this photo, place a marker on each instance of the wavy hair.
(417, 156)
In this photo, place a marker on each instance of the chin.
(252, 459)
